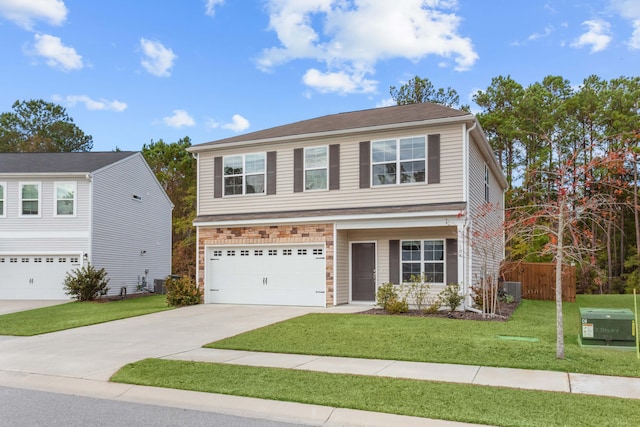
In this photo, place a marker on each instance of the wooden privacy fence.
(538, 279)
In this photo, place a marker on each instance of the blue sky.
(129, 72)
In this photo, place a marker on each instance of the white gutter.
(468, 222)
(236, 143)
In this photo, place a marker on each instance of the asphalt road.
(29, 408)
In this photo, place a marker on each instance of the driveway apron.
(98, 351)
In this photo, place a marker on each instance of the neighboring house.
(60, 211)
(323, 211)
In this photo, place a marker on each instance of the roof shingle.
(75, 162)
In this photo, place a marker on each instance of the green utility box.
(611, 327)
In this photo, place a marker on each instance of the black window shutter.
(334, 167)
(433, 152)
(217, 177)
(394, 262)
(298, 170)
(365, 165)
(271, 172)
(452, 261)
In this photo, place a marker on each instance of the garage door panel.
(269, 275)
(35, 276)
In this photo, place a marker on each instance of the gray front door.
(363, 271)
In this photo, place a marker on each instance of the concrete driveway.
(96, 352)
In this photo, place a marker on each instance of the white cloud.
(341, 82)
(630, 10)
(179, 119)
(350, 37)
(387, 102)
(547, 31)
(238, 123)
(25, 12)
(56, 54)
(92, 104)
(210, 6)
(158, 59)
(598, 35)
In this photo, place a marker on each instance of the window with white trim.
(398, 161)
(244, 174)
(316, 168)
(65, 197)
(3, 198)
(423, 258)
(486, 183)
(29, 199)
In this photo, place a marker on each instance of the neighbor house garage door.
(35, 276)
(270, 275)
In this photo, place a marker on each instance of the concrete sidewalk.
(465, 374)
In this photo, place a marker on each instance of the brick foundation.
(264, 235)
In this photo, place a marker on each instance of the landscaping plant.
(86, 283)
(451, 296)
(182, 291)
(387, 297)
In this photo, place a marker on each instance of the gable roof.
(376, 117)
(82, 162)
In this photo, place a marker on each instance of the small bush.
(451, 296)
(434, 307)
(387, 297)
(419, 291)
(182, 291)
(86, 283)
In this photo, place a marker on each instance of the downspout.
(90, 242)
(468, 225)
(197, 158)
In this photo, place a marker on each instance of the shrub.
(387, 297)
(419, 291)
(451, 296)
(86, 283)
(434, 307)
(182, 291)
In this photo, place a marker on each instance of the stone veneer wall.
(264, 235)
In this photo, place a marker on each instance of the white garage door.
(35, 276)
(269, 275)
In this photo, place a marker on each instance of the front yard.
(418, 339)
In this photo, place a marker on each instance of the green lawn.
(76, 314)
(448, 340)
(465, 403)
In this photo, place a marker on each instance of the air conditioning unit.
(613, 327)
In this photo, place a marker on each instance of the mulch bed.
(503, 313)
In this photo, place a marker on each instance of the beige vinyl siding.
(342, 268)
(46, 232)
(349, 195)
(382, 237)
(487, 249)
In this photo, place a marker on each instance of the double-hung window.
(30, 199)
(244, 174)
(398, 161)
(423, 258)
(65, 196)
(3, 198)
(316, 168)
(486, 183)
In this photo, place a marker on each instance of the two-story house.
(60, 211)
(323, 211)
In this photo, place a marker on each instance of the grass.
(76, 314)
(464, 403)
(448, 341)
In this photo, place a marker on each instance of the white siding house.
(60, 211)
(324, 211)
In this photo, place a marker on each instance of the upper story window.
(29, 199)
(398, 161)
(423, 258)
(316, 168)
(65, 197)
(486, 183)
(244, 174)
(3, 198)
